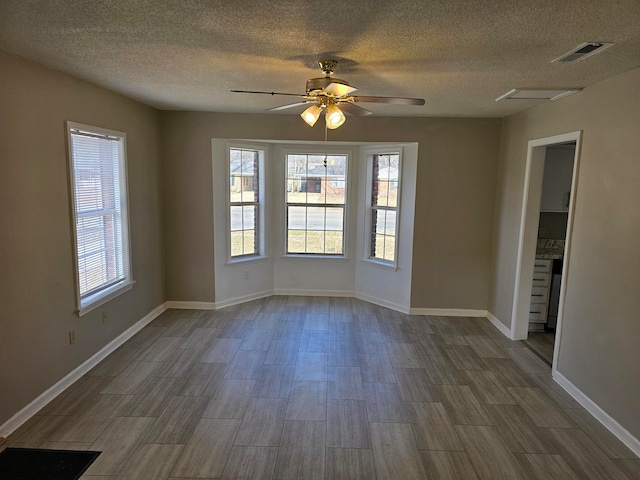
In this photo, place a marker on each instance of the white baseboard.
(603, 417)
(44, 398)
(242, 299)
(312, 293)
(191, 305)
(442, 312)
(499, 325)
(383, 303)
(449, 312)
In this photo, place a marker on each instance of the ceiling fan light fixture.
(334, 96)
(311, 115)
(334, 116)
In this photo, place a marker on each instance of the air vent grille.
(582, 51)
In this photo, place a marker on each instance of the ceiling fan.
(333, 96)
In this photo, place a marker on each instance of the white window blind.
(98, 175)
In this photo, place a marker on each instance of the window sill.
(100, 298)
(324, 258)
(245, 260)
(378, 263)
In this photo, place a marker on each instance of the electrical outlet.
(72, 337)
(246, 275)
(104, 317)
(542, 232)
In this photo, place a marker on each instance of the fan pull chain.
(325, 145)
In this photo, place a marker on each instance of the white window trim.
(317, 150)
(315, 256)
(262, 207)
(369, 154)
(97, 299)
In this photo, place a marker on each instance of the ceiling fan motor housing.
(317, 85)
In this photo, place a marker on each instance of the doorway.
(538, 153)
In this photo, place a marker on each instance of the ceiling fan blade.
(393, 100)
(284, 107)
(269, 93)
(339, 89)
(352, 109)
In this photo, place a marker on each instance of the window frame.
(310, 150)
(106, 292)
(261, 241)
(370, 155)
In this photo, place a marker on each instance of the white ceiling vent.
(583, 51)
(537, 94)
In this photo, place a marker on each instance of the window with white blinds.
(99, 199)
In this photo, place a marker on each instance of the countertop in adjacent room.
(549, 249)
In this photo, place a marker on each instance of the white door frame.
(529, 219)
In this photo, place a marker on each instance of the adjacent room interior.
(434, 274)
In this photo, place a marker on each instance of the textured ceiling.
(459, 55)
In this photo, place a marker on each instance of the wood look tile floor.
(542, 344)
(325, 388)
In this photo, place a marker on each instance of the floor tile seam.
(547, 397)
(476, 468)
(107, 423)
(232, 444)
(441, 450)
(595, 444)
(375, 464)
(567, 464)
(473, 466)
(390, 422)
(134, 447)
(538, 354)
(324, 448)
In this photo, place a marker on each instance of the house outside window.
(315, 204)
(98, 179)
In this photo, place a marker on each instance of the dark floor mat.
(41, 464)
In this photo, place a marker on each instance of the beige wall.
(457, 165)
(599, 351)
(455, 221)
(173, 245)
(37, 289)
